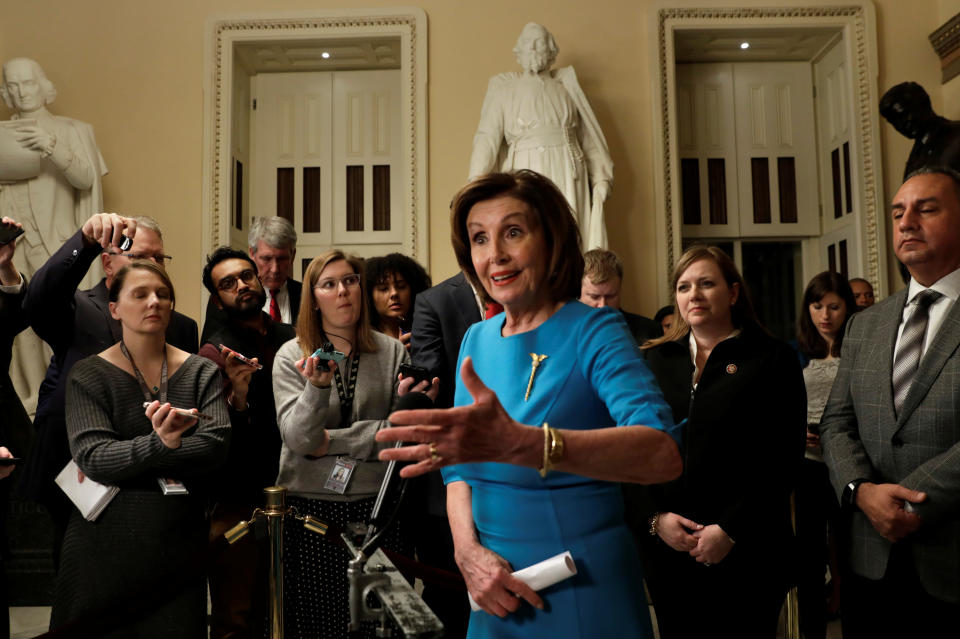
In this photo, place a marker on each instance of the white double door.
(325, 154)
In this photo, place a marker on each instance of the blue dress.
(593, 377)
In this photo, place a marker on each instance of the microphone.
(391, 489)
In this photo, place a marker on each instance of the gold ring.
(434, 453)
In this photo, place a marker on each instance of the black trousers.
(816, 506)
(896, 605)
(734, 598)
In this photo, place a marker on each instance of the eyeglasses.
(329, 285)
(230, 281)
(159, 258)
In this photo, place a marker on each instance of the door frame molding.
(857, 20)
(224, 31)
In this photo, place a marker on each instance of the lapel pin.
(731, 368)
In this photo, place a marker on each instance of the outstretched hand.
(479, 432)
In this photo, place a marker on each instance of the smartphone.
(9, 461)
(242, 358)
(183, 412)
(418, 373)
(326, 352)
(9, 232)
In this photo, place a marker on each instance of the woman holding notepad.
(137, 569)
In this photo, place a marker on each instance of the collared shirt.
(283, 301)
(12, 289)
(949, 287)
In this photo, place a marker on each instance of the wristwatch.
(849, 497)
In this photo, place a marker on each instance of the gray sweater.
(113, 441)
(304, 412)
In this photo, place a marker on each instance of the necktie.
(907, 359)
(492, 309)
(274, 307)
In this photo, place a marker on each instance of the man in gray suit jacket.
(891, 429)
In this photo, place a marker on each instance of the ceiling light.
(326, 54)
(744, 45)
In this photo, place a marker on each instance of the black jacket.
(254, 458)
(743, 438)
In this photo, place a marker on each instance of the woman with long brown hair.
(328, 412)
(138, 567)
(720, 551)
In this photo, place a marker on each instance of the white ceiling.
(345, 54)
(766, 45)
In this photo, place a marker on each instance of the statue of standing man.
(53, 203)
(540, 120)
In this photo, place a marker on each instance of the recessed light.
(744, 45)
(325, 55)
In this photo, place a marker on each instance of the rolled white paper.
(544, 574)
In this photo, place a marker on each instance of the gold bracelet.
(553, 448)
(654, 520)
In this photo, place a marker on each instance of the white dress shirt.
(949, 287)
(283, 301)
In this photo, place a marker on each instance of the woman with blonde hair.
(722, 531)
(328, 412)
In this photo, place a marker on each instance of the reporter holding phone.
(141, 559)
(328, 414)
(718, 548)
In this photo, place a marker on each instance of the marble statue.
(540, 119)
(62, 192)
(936, 139)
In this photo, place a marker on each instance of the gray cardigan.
(305, 411)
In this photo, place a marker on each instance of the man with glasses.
(77, 324)
(236, 593)
(272, 245)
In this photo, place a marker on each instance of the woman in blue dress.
(553, 408)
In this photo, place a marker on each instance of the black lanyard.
(346, 395)
(147, 394)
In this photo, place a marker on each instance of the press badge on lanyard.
(340, 475)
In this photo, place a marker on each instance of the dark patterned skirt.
(137, 571)
(316, 590)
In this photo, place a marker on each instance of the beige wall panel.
(381, 125)
(784, 118)
(135, 71)
(313, 122)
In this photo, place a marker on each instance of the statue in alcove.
(540, 119)
(936, 139)
(50, 169)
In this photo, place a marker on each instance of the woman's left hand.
(481, 431)
(405, 340)
(713, 545)
(168, 423)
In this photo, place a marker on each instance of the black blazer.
(642, 328)
(214, 319)
(76, 324)
(14, 421)
(743, 439)
(441, 317)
